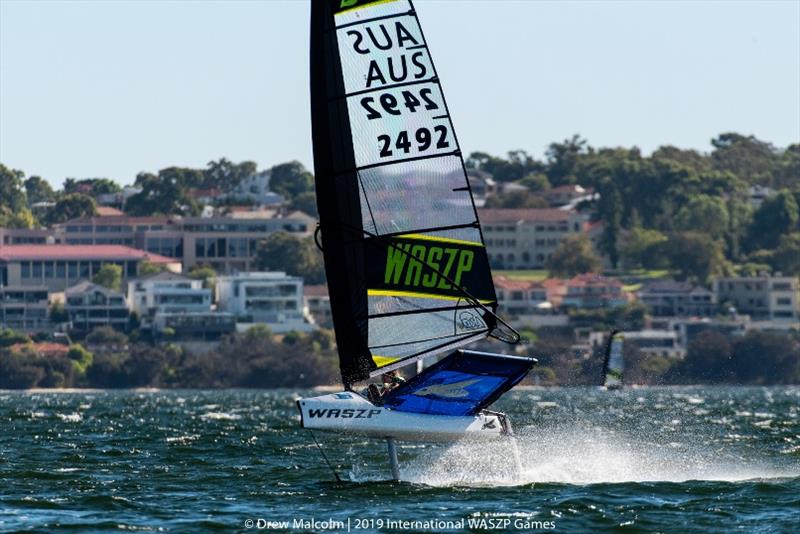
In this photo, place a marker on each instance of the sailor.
(389, 380)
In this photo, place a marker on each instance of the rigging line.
(324, 457)
(515, 336)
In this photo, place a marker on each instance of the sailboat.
(407, 268)
(614, 363)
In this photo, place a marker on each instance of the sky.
(114, 88)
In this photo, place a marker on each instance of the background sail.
(407, 267)
(614, 364)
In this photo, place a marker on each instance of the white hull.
(350, 413)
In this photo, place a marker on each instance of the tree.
(766, 358)
(562, 159)
(535, 182)
(642, 248)
(205, 273)
(57, 313)
(305, 202)
(776, 216)
(146, 268)
(786, 258)
(695, 256)
(517, 199)
(91, 186)
(226, 175)
(704, 213)
(573, 256)
(747, 157)
(165, 193)
(12, 192)
(21, 218)
(10, 337)
(282, 251)
(109, 276)
(291, 179)
(38, 190)
(708, 360)
(72, 206)
(610, 211)
(518, 165)
(80, 357)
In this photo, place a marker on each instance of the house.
(591, 291)
(318, 304)
(273, 299)
(526, 303)
(525, 238)
(46, 349)
(668, 298)
(90, 306)
(569, 194)
(256, 189)
(26, 236)
(58, 267)
(167, 292)
(24, 308)
(758, 193)
(664, 343)
(764, 297)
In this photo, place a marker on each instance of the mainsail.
(407, 268)
(614, 364)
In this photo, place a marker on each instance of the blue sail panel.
(462, 384)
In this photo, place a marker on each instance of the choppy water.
(642, 460)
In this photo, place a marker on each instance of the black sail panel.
(407, 268)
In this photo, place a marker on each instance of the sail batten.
(401, 238)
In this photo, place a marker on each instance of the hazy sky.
(112, 88)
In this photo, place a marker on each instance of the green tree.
(109, 276)
(282, 251)
(291, 179)
(610, 211)
(226, 175)
(573, 256)
(535, 182)
(38, 190)
(517, 199)
(165, 193)
(563, 159)
(518, 165)
(21, 218)
(91, 186)
(205, 273)
(787, 256)
(81, 358)
(708, 360)
(766, 358)
(747, 157)
(704, 213)
(57, 312)
(695, 256)
(146, 268)
(305, 202)
(12, 192)
(777, 215)
(72, 206)
(642, 248)
(10, 337)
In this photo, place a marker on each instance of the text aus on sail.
(395, 104)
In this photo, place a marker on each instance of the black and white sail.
(614, 364)
(407, 268)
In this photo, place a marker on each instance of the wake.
(585, 456)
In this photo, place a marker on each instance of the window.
(37, 269)
(61, 269)
(784, 302)
(26, 269)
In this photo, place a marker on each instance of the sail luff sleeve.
(337, 199)
(393, 194)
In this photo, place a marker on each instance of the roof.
(83, 287)
(107, 211)
(120, 219)
(320, 290)
(46, 348)
(666, 286)
(571, 188)
(510, 284)
(165, 275)
(592, 280)
(501, 215)
(78, 252)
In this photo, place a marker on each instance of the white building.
(269, 298)
(167, 293)
(24, 308)
(90, 306)
(764, 298)
(256, 188)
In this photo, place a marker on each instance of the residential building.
(664, 343)
(58, 267)
(525, 238)
(256, 189)
(24, 308)
(26, 236)
(689, 328)
(526, 303)
(90, 306)
(270, 298)
(765, 297)
(167, 293)
(668, 298)
(194, 326)
(759, 193)
(227, 243)
(318, 304)
(568, 195)
(45, 349)
(593, 291)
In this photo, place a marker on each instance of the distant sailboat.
(407, 268)
(614, 363)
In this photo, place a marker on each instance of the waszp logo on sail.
(404, 265)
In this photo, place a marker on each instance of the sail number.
(423, 137)
(390, 104)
